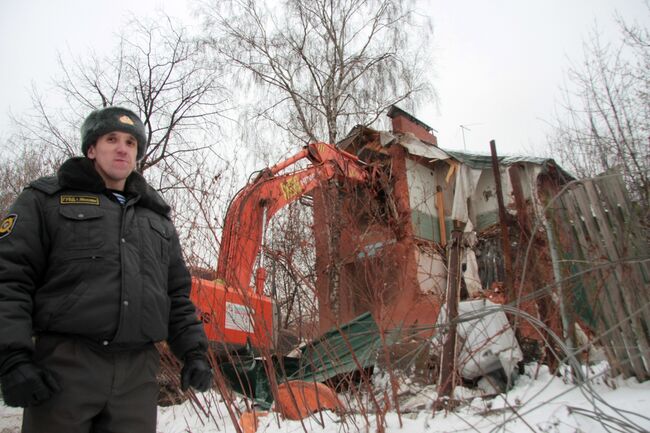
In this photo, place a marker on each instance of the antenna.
(464, 128)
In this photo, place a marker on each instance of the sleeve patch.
(7, 225)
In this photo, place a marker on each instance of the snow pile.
(539, 402)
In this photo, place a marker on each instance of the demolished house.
(385, 250)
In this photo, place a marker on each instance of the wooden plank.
(638, 247)
(624, 301)
(610, 189)
(571, 264)
(601, 220)
(603, 314)
(440, 206)
(614, 189)
(635, 290)
(630, 244)
(626, 334)
(566, 246)
(633, 287)
(583, 253)
(639, 244)
(611, 213)
(626, 287)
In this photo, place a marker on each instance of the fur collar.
(80, 173)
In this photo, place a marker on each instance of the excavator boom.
(254, 205)
(225, 303)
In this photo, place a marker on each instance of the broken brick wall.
(369, 239)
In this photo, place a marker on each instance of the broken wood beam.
(440, 207)
(447, 377)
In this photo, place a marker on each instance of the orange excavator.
(234, 309)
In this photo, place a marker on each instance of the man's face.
(114, 156)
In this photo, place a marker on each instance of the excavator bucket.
(298, 399)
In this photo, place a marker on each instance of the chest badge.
(79, 199)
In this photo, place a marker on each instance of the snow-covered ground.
(539, 402)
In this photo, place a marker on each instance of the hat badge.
(126, 119)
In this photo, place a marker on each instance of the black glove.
(196, 373)
(27, 384)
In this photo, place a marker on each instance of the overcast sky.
(501, 63)
(497, 65)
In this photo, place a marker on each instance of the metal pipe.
(503, 222)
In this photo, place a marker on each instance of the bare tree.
(16, 171)
(157, 70)
(604, 121)
(319, 67)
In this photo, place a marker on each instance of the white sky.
(498, 65)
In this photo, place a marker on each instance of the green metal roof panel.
(484, 162)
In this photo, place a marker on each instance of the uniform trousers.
(101, 391)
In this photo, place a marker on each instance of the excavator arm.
(253, 207)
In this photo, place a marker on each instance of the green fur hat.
(110, 119)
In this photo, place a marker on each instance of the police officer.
(91, 275)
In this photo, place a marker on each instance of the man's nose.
(122, 146)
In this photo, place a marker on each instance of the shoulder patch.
(79, 199)
(7, 225)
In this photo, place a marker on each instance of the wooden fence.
(605, 268)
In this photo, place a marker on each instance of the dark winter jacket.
(75, 262)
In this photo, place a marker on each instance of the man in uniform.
(91, 276)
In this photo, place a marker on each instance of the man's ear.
(91, 154)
